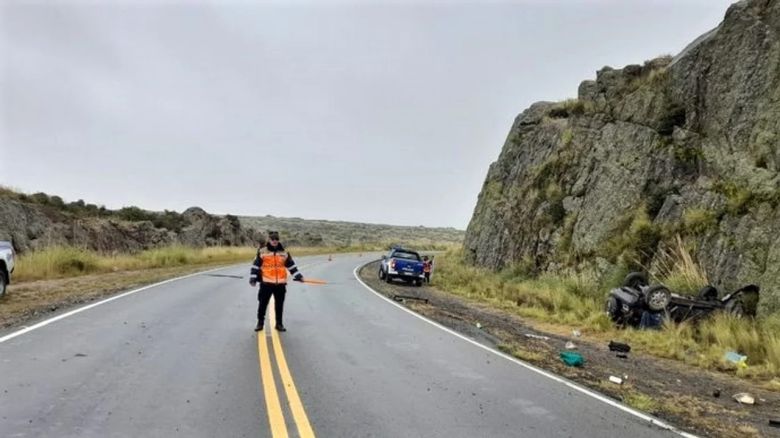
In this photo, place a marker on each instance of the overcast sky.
(374, 112)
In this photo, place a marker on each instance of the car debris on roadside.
(737, 359)
(619, 347)
(744, 398)
(572, 358)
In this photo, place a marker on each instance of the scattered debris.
(400, 298)
(616, 380)
(736, 358)
(80, 355)
(774, 423)
(576, 333)
(572, 358)
(619, 346)
(570, 346)
(479, 326)
(533, 336)
(716, 393)
(622, 355)
(745, 398)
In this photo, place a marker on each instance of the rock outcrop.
(31, 226)
(684, 146)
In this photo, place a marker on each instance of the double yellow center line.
(272, 401)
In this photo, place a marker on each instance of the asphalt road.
(182, 359)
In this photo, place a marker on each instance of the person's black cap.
(273, 235)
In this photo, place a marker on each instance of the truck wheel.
(634, 280)
(388, 278)
(3, 283)
(381, 274)
(657, 298)
(418, 283)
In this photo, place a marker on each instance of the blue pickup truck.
(404, 264)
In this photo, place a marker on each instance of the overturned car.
(638, 304)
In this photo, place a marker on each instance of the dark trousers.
(264, 296)
(427, 277)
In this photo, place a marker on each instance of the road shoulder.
(676, 393)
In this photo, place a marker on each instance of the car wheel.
(388, 278)
(708, 293)
(634, 280)
(3, 284)
(381, 274)
(657, 298)
(613, 309)
(418, 283)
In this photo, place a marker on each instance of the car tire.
(3, 283)
(388, 278)
(634, 280)
(418, 283)
(381, 274)
(613, 309)
(658, 298)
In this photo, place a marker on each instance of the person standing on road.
(270, 268)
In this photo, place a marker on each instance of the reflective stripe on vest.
(273, 267)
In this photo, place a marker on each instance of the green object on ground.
(572, 358)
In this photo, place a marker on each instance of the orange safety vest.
(273, 266)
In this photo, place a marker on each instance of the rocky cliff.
(30, 225)
(684, 146)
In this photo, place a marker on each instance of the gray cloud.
(382, 112)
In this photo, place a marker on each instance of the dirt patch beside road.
(679, 394)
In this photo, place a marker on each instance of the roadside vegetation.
(65, 262)
(566, 302)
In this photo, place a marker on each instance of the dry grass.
(577, 302)
(640, 401)
(678, 269)
(65, 262)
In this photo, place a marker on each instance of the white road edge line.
(652, 420)
(46, 322)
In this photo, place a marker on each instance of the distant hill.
(308, 232)
(39, 220)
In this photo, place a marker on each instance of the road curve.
(181, 358)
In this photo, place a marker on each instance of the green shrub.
(699, 221)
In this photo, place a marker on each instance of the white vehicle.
(6, 265)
